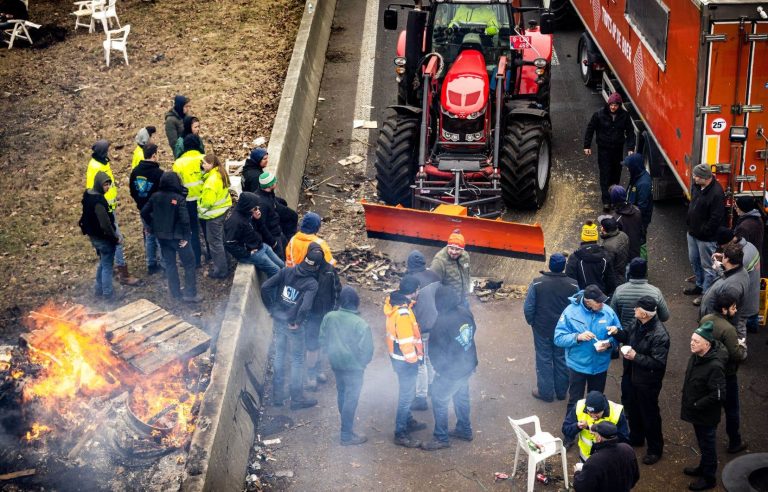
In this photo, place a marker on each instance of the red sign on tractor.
(520, 42)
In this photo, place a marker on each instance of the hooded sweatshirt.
(252, 170)
(346, 336)
(174, 121)
(591, 264)
(166, 211)
(639, 191)
(581, 356)
(96, 220)
(452, 348)
(243, 233)
(144, 181)
(630, 221)
(289, 295)
(100, 162)
(328, 286)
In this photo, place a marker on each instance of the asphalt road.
(356, 86)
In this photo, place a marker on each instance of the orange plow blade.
(494, 237)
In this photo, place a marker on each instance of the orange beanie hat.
(456, 239)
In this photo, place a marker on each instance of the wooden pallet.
(148, 337)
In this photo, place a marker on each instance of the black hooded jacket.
(611, 467)
(101, 151)
(166, 211)
(290, 294)
(630, 221)
(706, 212)
(452, 349)
(328, 287)
(96, 220)
(144, 181)
(251, 172)
(704, 387)
(243, 233)
(271, 216)
(613, 131)
(591, 264)
(651, 342)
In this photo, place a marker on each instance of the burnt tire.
(525, 162)
(396, 150)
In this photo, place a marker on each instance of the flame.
(77, 364)
(37, 430)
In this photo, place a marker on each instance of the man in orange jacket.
(297, 247)
(406, 353)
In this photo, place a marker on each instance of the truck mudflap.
(494, 237)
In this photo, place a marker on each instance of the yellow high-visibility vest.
(215, 198)
(138, 156)
(187, 166)
(94, 167)
(587, 438)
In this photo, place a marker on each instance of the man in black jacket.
(612, 466)
(247, 238)
(98, 223)
(615, 132)
(750, 225)
(701, 403)
(591, 263)
(289, 297)
(629, 218)
(454, 357)
(546, 299)
(326, 300)
(281, 220)
(646, 346)
(706, 213)
(144, 182)
(166, 216)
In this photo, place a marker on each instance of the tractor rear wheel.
(525, 162)
(396, 150)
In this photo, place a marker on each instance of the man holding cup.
(583, 332)
(645, 350)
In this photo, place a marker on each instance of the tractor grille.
(463, 128)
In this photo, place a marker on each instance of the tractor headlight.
(453, 137)
(476, 114)
(475, 137)
(540, 62)
(399, 65)
(448, 113)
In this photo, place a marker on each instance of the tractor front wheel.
(525, 162)
(396, 151)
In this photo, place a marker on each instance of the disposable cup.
(625, 349)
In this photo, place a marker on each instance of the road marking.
(364, 95)
(555, 59)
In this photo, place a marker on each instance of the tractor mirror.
(390, 19)
(547, 23)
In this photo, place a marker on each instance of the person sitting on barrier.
(247, 238)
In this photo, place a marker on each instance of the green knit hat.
(267, 179)
(705, 331)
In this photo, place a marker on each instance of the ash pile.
(489, 290)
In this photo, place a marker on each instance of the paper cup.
(625, 349)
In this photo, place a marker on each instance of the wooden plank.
(127, 314)
(189, 343)
(18, 474)
(149, 344)
(139, 319)
(140, 329)
(155, 328)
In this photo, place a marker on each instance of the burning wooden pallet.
(148, 337)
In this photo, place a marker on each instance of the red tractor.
(471, 126)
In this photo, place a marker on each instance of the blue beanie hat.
(257, 154)
(618, 194)
(348, 298)
(310, 223)
(557, 262)
(416, 262)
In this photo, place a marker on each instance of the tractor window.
(457, 26)
(650, 20)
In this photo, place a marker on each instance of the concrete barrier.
(226, 428)
(292, 130)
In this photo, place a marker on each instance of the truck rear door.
(737, 78)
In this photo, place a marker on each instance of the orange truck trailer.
(694, 74)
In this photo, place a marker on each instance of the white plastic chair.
(547, 445)
(85, 9)
(105, 12)
(19, 29)
(117, 40)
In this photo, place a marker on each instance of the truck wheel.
(525, 163)
(588, 76)
(396, 150)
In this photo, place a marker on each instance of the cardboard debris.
(271, 442)
(365, 124)
(352, 159)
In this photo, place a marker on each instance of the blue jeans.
(443, 390)
(551, 370)
(194, 224)
(284, 337)
(348, 386)
(406, 377)
(169, 248)
(700, 256)
(106, 251)
(707, 438)
(265, 260)
(119, 249)
(731, 405)
(426, 371)
(151, 246)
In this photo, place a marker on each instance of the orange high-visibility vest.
(403, 335)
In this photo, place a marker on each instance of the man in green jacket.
(451, 264)
(724, 332)
(348, 342)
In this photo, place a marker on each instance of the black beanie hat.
(638, 268)
(408, 285)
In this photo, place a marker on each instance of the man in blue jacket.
(583, 332)
(640, 189)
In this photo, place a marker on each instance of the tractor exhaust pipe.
(501, 75)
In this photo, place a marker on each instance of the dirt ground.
(229, 57)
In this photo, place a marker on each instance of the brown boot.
(125, 278)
